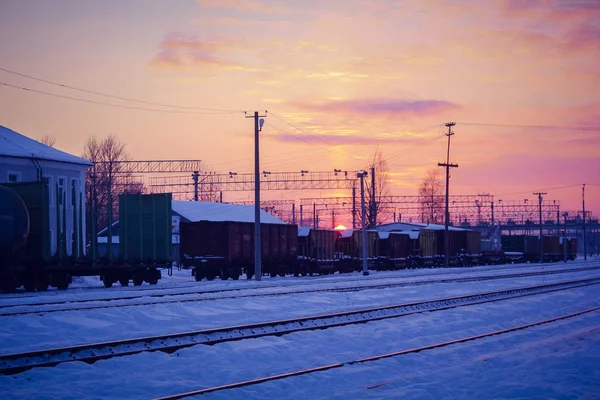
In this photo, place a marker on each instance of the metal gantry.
(469, 210)
(234, 182)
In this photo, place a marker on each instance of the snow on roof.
(303, 231)
(413, 226)
(386, 234)
(13, 144)
(206, 211)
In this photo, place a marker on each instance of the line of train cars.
(226, 249)
(36, 257)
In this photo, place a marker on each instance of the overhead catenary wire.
(217, 110)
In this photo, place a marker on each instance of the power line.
(527, 191)
(557, 127)
(110, 104)
(117, 97)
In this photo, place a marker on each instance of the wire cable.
(117, 97)
(557, 127)
(115, 105)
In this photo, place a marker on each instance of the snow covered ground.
(554, 361)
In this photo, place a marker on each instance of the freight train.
(25, 240)
(226, 249)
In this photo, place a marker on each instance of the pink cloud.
(342, 140)
(245, 5)
(397, 107)
(178, 50)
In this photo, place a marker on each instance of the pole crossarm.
(155, 166)
(234, 182)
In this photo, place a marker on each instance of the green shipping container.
(145, 234)
(35, 197)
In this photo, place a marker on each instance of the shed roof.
(410, 226)
(13, 144)
(207, 211)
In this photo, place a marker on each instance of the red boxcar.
(226, 249)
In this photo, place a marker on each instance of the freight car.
(226, 249)
(316, 252)
(25, 240)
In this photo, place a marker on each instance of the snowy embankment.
(558, 360)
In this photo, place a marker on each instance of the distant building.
(192, 211)
(23, 159)
(413, 226)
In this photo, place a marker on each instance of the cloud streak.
(397, 107)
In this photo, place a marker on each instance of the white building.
(23, 159)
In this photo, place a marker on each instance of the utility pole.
(584, 236)
(373, 213)
(195, 178)
(257, 243)
(353, 207)
(301, 216)
(363, 235)
(539, 194)
(447, 164)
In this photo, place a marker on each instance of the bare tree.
(48, 140)
(376, 211)
(109, 177)
(431, 198)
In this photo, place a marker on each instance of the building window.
(61, 191)
(74, 192)
(51, 189)
(14, 177)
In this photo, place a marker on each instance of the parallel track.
(369, 359)
(281, 293)
(90, 353)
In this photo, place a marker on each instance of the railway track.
(8, 310)
(90, 353)
(141, 291)
(257, 381)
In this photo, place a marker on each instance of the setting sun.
(340, 228)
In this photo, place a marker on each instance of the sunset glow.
(340, 80)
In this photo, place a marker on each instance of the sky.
(339, 81)
(557, 360)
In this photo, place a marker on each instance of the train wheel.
(224, 275)
(153, 280)
(138, 279)
(124, 281)
(62, 282)
(107, 282)
(235, 277)
(42, 283)
(29, 284)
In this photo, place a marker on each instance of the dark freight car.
(32, 265)
(316, 251)
(528, 245)
(552, 248)
(226, 249)
(395, 249)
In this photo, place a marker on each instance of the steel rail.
(90, 353)
(370, 359)
(280, 293)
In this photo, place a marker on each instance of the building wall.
(66, 175)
